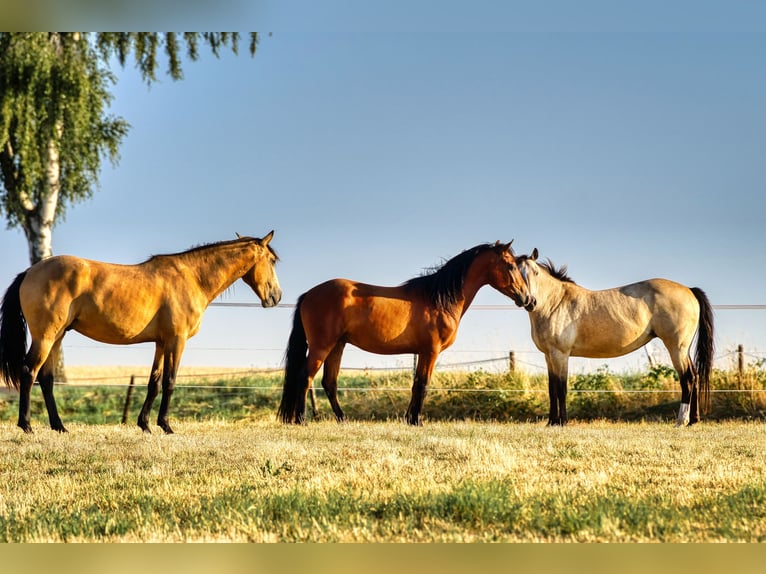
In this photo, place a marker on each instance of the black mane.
(559, 273)
(444, 285)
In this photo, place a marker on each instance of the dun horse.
(421, 317)
(161, 300)
(569, 320)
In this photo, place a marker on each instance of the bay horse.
(161, 300)
(420, 316)
(569, 320)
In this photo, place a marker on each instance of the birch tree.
(55, 125)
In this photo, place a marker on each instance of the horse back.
(108, 302)
(616, 321)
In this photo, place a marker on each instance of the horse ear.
(238, 235)
(534, 255)
(265, 240)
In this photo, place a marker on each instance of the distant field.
(122, 374)
(366, 481)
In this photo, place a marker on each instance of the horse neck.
(476, 277)
(549, 293)
(218, 266)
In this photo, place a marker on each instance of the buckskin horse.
(569, 320)
(420, 316)
(161, 300)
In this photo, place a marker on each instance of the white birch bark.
(40, 216)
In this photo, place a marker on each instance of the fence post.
(741, 364)
(512, 361)
(128, 396)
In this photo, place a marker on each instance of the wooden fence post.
(741, 364)
(128, 396)
(512, 362)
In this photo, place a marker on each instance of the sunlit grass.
(364, 481)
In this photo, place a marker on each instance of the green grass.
(649, 396)
(364, 481)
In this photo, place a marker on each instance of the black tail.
(294, 390)
(704, 356)
(13, 335)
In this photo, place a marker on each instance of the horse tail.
(13, 335)
(295, 369)
(704, 355)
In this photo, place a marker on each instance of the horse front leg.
(151, 390)
(558, 371)
(423, 370)
(169, 372)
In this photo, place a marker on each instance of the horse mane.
(559, 273)
(444, 285)
(213, 245)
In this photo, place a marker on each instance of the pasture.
(484, 467)
(261, 481)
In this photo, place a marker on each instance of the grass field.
(256, 480)
(483, 468)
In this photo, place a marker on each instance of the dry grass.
(121, 374)
(463, 481)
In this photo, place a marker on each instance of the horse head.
(529, 271)
(506, 277)
(262, 276)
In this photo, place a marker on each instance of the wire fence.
(507, 361)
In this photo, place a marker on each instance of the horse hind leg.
(688, 412)
(46, 379)
(36, 357)
(313, 364)
(330, 378)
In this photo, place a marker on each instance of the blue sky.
(375, 155)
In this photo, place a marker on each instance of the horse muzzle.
(528, 303)
(273, 299)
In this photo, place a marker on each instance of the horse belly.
(384, 327)
(124, 326)
(382, 334)
(606, 343)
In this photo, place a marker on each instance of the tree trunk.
(39, 219)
